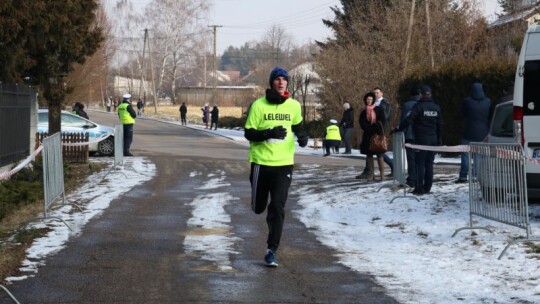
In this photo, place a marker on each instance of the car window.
(503, 122)
(69, 120)
(43, 118)
(531, 90)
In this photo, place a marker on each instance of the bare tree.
(277, 40)
(177, 38)
(126, 43)
(274, 49)
(372, 45)
(89, 80)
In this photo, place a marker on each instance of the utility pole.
(430, 36)
(142, 63)
(409, 34)
(214, 61)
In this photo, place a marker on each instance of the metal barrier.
(53, 170)
(118, 145)
(118, 149)
(497, 187)
(10, 294)
(53, 174)
(400, 165)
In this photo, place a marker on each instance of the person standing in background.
(205, 112)
(476, 110)
(372, 120)
(426, 121)
(269, 126)
(332, 137)
(78, 109)
(183, 112)
(140, 106)
(127, 116)
(382, 102)
(109, 103)
(346, 125)
(214, 117)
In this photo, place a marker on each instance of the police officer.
(409, 135)
(426, 121)
(332, 137)
(127, 117)
(269, 126)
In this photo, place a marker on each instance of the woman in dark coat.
(214, 116)
(372, 119)
(78, 109)
(206, 113)
(183, 112)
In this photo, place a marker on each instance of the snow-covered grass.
(407, 245)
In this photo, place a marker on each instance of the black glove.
(276, 132)
(302, 141)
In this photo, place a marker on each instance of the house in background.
(304, 85)
(509, 28)
(528, 14)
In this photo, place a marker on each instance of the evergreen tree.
(41, 42)
(512, 6)
(353, 11)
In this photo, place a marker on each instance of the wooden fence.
(70, 154)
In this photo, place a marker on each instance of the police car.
(101, 138)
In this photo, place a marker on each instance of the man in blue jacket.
(476, 110)
(409, 135)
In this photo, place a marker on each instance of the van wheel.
(106, 146)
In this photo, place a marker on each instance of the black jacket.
(214, 114)
(371, 129)
(405, 111)
(476, 110)
(426, 121)
(347, 121)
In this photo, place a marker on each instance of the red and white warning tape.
(500, 152)
(461, 148)
(8, 174)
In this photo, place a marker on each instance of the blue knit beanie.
(276, 72)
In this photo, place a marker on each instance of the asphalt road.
(134, 252)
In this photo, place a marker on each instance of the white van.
(526, 110)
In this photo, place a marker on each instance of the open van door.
(527, 105)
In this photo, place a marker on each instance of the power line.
(288, 18)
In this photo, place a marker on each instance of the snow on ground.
(209, 223)
(95, 195)
(407, 245)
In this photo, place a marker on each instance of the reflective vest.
(123, 114)
(332, 133)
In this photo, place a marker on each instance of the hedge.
(451, 83)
